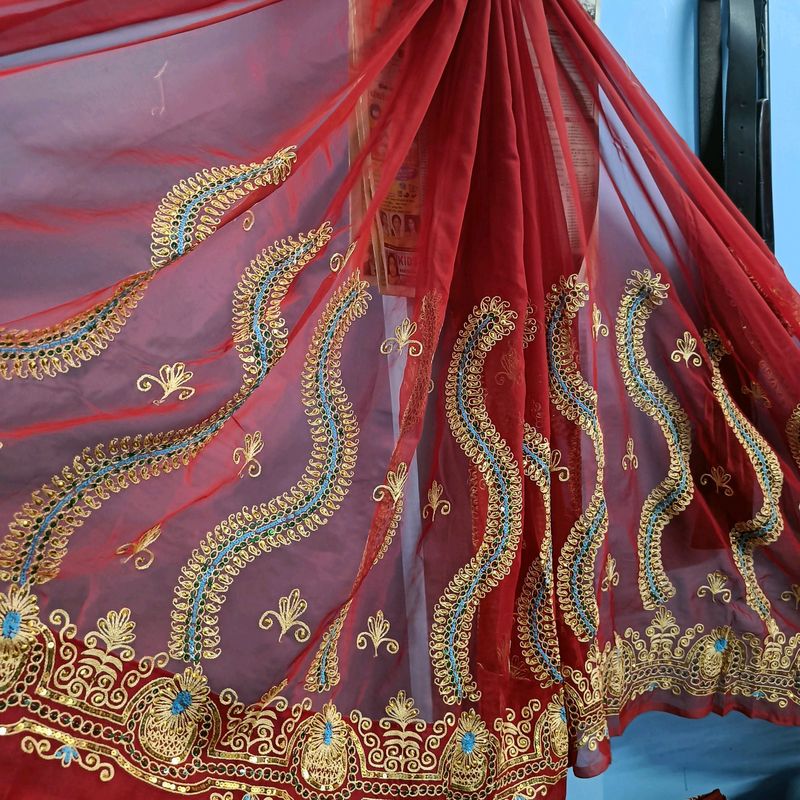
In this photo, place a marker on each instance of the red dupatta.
(445, 419)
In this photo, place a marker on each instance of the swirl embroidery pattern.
(190, 213)
(489, 323)
(767, 525)
(298, 512)
(645, 292)
(535, 618)
(38, 536)
(577, 401)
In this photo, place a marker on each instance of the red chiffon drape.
(392, 406)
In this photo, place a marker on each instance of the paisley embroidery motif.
(298, 512)
(38, 536)
(490, 322)
(535, 612)
(766, 526)
(577, 401)
(645, 292)
(190, 212)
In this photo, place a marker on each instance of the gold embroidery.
(324, 762)
(490, 321)
(599, 328)
(766, 526)
(686, 349)
(530, 327)
(720, 478)
(290, 609)
(435, 502)
(377, 634)
(556, 467)
(403, 334)
(38, 536)
(395, 481)
(171, 378)
(238, 540)
(630, 459)
(576, 399)
(610, 574)
(248, 219)
(339, 261)
(140, 548)
(644, 292)
(536, 623)
(324, 670)
(467, 754)
(715, 587)
(19, 621)
(792, 594)
(176, 229)
(253, 445)
(793, 434)
(756, 391)
(67, 754)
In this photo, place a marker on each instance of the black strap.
(741, 108)
(734, 142)
(709, 87)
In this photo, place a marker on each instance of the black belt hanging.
(734, 140)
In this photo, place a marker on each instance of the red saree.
(392, 406)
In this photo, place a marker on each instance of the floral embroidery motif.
(290, 609)
(325, 753)
(435, 502)
(190, 212)
(171, 378)
(37, 538)
(644, 293)
(610, 574)
(577, 401)
(630, 460)
(377, 634)
(295, 514)
(511, 369)
(686, 350)
(68, 755)
(535, 608)
(715, 586)
(720, 478)
(756, 391)
(490, 322)
(403, 337)
(253, 445)
(139, 549)
(766, 526)
(339, 261)
(19, 620)
(792, 595)
(599, 328)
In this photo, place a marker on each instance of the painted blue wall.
(662, 757)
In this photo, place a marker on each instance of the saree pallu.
(391, 406)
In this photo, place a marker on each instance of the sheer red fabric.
(392, 406)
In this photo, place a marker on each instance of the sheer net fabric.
(303, 500)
